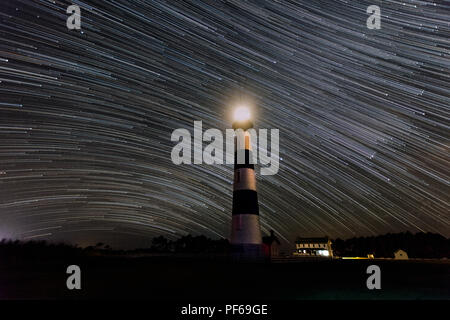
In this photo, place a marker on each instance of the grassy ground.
(189, 278)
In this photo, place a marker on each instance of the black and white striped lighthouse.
(246, 237)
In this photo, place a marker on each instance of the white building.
(313, 247)
(400, 255)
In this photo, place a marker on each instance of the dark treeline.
(43, 249)
(189, 244)
(37, 250)
(419, 245)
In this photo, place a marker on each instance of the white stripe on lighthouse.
(245, 229)
(244, 179)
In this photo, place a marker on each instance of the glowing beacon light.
(241, 114)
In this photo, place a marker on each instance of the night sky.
(86, 117)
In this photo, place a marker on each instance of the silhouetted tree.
(420, 245)
(160, 244)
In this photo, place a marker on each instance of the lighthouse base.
(247, 252)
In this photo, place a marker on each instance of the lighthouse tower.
(246, 237)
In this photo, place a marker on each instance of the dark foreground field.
(158, 278)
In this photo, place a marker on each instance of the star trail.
(86, 116)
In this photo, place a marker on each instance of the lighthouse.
(246, 237)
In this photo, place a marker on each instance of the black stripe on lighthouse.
(245, 202)
(246, 164)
